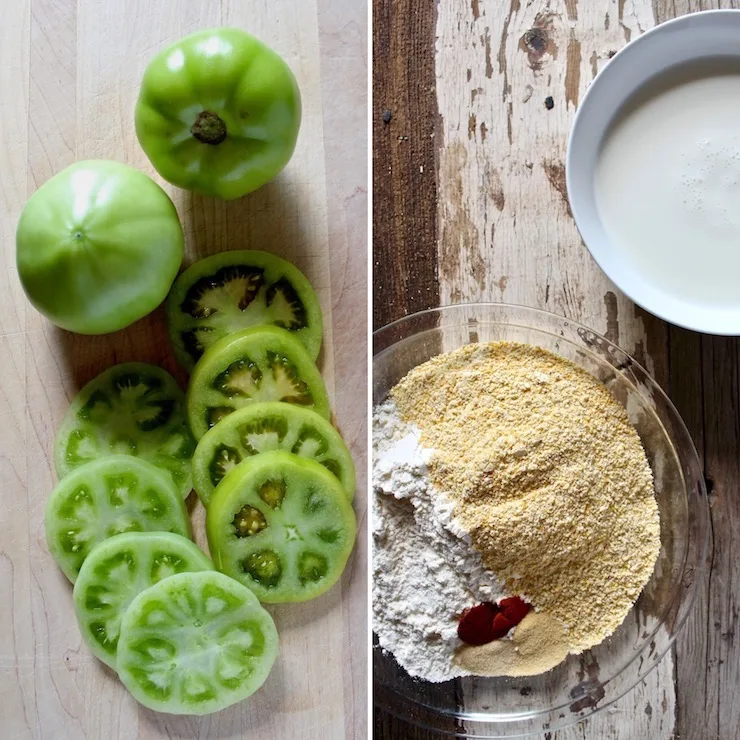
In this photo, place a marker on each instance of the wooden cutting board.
(69, 77)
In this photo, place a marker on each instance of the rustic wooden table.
(472, 105)
(69, 76)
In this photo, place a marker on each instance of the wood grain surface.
(69, 76)
(481, 214)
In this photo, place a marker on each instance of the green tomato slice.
(130, 409)
(105, 497)
(281, 525)
(263, 427)
(234, 290)
(251, 366)
(116, 571)
(195, 643)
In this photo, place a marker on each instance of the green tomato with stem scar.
(218, 113)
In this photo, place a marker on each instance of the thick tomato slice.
(262, 427)
(105, 497)
(130, 409)
(116, 571)
(282, 525)
(195, 643)
(252, 366)
(230, 291)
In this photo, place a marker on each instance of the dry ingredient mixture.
(422, 568)
(501, 469)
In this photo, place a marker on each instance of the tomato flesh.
(105, 497)
(116, 571)
(263, 427)
(253, 365)
(281, 525)
(234, 290)
(131, 409)
(195, 643)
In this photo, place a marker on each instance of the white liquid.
(668, 184)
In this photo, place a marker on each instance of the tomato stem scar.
(208, 128)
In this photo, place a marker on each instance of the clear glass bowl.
(581, 685)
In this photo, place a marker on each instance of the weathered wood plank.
(685, 390)
(404, 182)
(719, 671)
(404, 159)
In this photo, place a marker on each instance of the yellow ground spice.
(547, 474)
(538, 644)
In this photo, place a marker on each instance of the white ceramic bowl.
(699, 36)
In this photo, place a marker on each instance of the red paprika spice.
(486, 622)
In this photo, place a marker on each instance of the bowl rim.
(682, 602)
(628, 281)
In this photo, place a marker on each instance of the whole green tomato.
(98, 247)
(218, 113)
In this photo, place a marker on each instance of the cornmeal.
(547, 475)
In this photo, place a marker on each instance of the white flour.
(424, 570)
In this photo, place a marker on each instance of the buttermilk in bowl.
(514, 515)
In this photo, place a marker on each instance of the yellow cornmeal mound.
(547, 474)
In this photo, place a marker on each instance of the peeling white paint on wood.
(506, 233)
